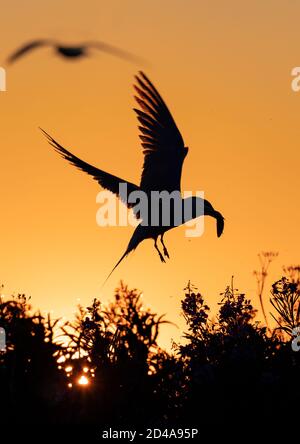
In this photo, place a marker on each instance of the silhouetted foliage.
(265, 260)
(286, 300)
(106, 368)
(30, 379)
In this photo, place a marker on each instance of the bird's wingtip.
(47, 135)
(41, 129)
(142, 75)
(138, 76)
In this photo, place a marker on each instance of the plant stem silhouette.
(265, 259)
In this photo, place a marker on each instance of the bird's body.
(72, 51)
(201, 207)
(164, 153)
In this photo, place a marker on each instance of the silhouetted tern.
(164, 153)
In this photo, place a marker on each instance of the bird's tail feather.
(119, 261)
(136, 238)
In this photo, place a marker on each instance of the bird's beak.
(220, 223)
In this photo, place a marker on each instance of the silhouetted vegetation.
(106, 368)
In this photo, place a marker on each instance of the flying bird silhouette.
(72, 51)
(164, 152)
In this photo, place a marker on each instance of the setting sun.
(83, 380)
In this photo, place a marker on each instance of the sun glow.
(83, 380)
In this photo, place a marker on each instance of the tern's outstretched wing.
(163, 145)
(106, 180)
(26, 48)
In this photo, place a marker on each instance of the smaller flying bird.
(72, 51)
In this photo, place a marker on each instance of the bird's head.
(195, 206)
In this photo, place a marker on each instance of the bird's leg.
(166, 253)
(160, 255)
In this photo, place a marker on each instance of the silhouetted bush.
(106, 368)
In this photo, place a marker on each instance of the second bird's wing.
(163, 144)
(26, 48)
(115, 51)
(106, 180)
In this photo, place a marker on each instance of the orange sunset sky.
(224, 69)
